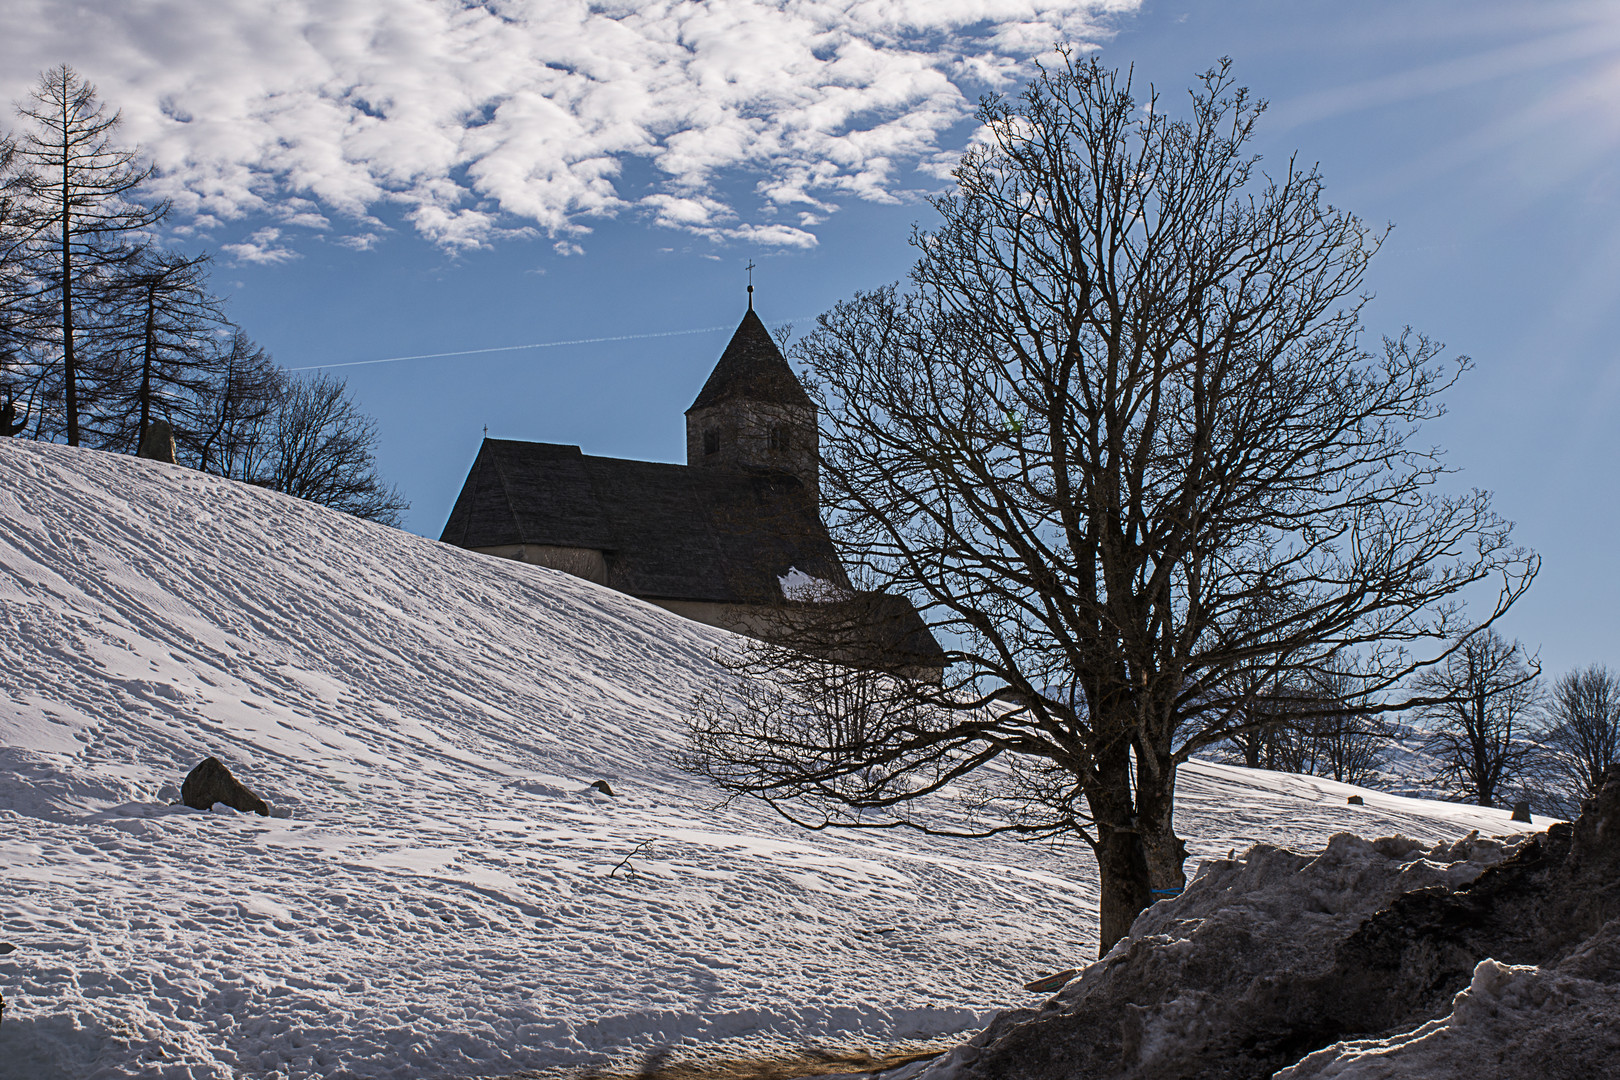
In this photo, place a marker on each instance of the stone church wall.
(587, 563)
(754, 435)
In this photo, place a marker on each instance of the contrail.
(515, 348)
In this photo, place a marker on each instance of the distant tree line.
(104, 330)
(1494, 733)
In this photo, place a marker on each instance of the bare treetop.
(1122, 441)
(72, 160)
(77, 189)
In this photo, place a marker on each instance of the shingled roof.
(752, 367)
(726, 532)
(667, 531)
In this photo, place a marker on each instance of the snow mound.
(1266, 960)
(1513, 1021)
(1196, 972)
(440, 891)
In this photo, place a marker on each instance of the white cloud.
(774, 235)
(261, 247)
(484, 119)
(360, 241)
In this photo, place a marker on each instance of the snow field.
(440, 893)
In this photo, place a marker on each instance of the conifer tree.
(78, 193)
(14, 234)
(161, 345)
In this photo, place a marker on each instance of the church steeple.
(753, 413)
(752, 368)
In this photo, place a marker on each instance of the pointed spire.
(752, 367)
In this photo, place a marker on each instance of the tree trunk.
(1123, 876)
(1155, 816)
(70, 365)
(1122, 866)
(148, 349)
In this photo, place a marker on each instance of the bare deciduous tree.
(1120, 439)
(1484, 700)
(321, 448)
(1262, 740)
(227, 435)
(1583, 734)
(304, 437)
(1330, 738)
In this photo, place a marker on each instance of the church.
(733, 538)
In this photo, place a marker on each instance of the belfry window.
(781, 438)
(711, 441)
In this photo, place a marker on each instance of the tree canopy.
(104, 329)
(1125, 442)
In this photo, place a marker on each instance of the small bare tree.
(320, 447)
(1119, 441)
(227, 433)
(1319, 731)
(1483, 701)
(1583, 733)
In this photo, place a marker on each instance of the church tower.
(753, 413)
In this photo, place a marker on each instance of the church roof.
(752, 367)
(667, 531)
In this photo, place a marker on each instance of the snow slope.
(441, 893)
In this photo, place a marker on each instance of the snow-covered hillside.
(441, 893)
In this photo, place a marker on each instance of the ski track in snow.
(437, 895)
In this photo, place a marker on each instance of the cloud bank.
(478, 118)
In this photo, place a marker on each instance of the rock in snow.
(158, 443)
(1349, 965)
(211, 782)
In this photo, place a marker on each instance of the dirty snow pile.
(1483, 959)
(440, 891)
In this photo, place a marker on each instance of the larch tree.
(79, 190)
(1121, 440)
(103, 331)
(160, 344)
(15, 371)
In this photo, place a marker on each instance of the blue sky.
(397, 178)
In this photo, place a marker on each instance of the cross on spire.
(750, 284)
